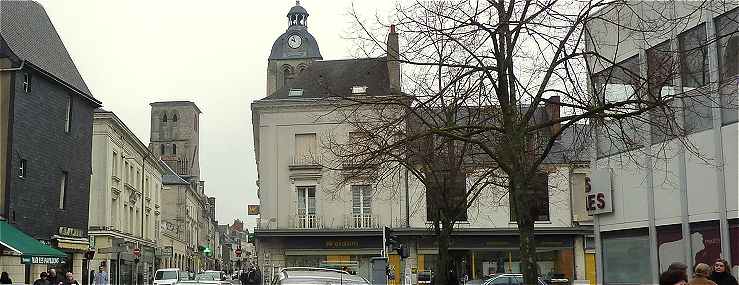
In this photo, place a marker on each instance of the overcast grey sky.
(214, 53)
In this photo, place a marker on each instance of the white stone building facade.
(125, 200)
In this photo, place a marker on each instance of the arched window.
(285, 76)
(164, 118)
(174, 149)
(174, 117)
(161, 149)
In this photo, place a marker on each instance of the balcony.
(305, 162)
(309, 221)
(358, 221)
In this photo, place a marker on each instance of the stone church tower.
(175, 136)
(292, 51)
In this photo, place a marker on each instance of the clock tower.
(292, 52)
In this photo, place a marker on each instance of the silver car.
(509, 279)
(314, 276)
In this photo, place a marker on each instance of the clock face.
(294, 41)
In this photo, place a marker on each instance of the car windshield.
(165, 275)
(208, 276)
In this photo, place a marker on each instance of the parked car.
(424, 277)
(207, 278)
(310, 275)
(168, 276)
(509, 279)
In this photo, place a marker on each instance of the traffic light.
(391, 239)
(403, 251)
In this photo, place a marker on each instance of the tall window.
(63, 190)
(539, 188)
(114, 213)
(727, 26)
(68, 115)
(694, 57)
(174, 149)
(306, 206)
(174, 117)
(164, 117)
(362, 206)
(27, 82)
(161, 149)
(305, 149)
(115, 164)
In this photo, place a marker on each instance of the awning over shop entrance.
(30, 249)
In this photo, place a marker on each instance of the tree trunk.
(443, 273)
(527, 240)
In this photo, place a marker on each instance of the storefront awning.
(30, 249)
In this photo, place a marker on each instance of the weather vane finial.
(297, 2)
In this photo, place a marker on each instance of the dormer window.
(359, 90)
(295, 92)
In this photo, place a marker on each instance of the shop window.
(669, 245)
(727, 26)
(623, 256)
(693, 58)
(539, 185)
(705, 241)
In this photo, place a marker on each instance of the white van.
(167, 276)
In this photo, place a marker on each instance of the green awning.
(30, 249)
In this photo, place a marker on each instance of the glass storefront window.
(623, 256)
(551, 262)
(705, 242)
(669, 246)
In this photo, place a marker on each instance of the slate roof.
(308, 49)
(29, 34)
(574, 145)
(334, 78)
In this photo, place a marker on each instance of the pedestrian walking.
(43, 279)
(53, 279)
(5, 278)
(101, 278)
(700, 275)
(673, 277)
(721, 274)
(69, 280)
(251, 277)
(679, 267)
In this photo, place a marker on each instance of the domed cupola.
(296, 42)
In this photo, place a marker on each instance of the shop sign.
(253, 210)
(598, 199)
(41, 260)
(362, 242)
(168, 251)
(70, 232)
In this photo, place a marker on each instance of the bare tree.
(491, 86)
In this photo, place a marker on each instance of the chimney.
(552, 107)
(393, 65)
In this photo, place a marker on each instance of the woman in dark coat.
(721, 274)
(5, 278)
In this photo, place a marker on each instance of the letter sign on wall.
(598, 192)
